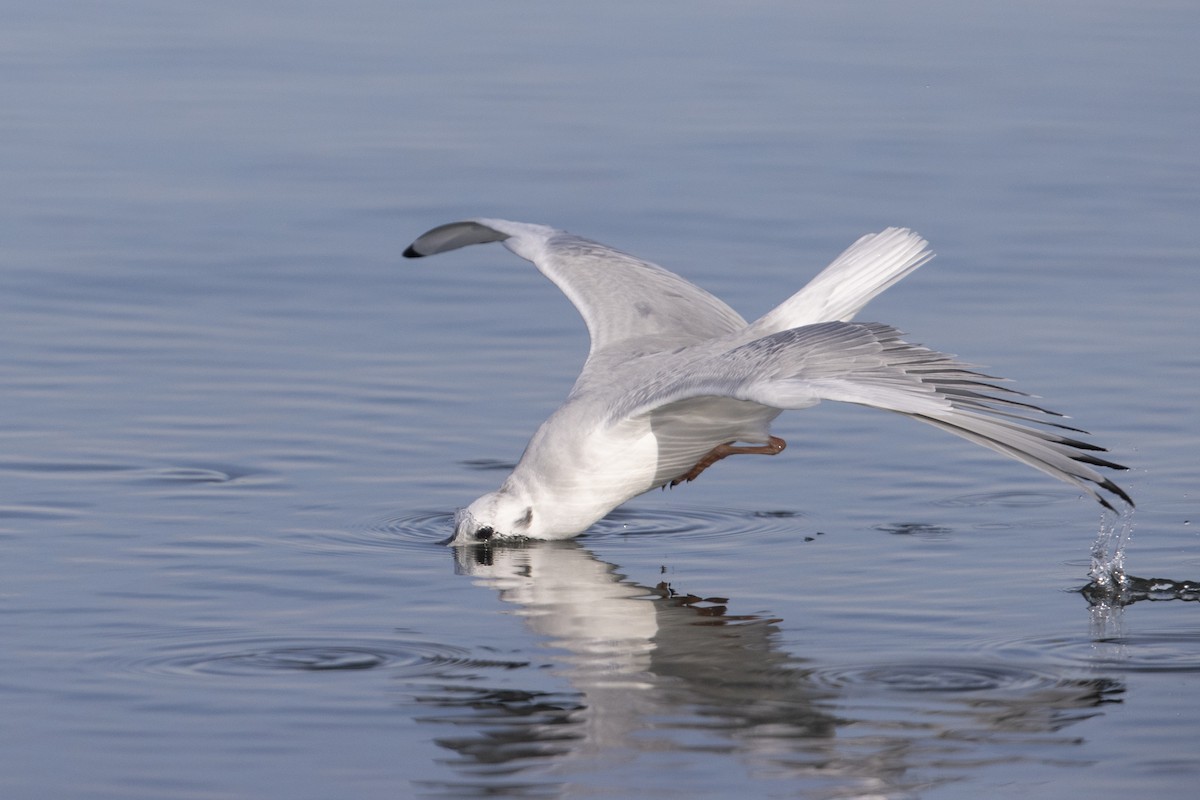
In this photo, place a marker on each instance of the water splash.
(1135, 590)
(1108, 553)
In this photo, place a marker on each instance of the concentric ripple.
(1144, 651)
(411, 530)
(698, 523)
(271, 656)
(432, 528)
(932, 677)
(198, 473)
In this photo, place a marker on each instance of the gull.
(675, 380)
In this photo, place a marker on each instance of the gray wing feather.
(623, 298)
(869, 364)
(620, 297)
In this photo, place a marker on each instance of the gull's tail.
(866, 268)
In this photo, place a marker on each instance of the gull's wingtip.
(1109, 486)
(452, 236)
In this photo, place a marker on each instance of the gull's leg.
(773, 446)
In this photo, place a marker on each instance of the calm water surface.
(236, 424)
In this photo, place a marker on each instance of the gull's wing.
(870, 365)
(838, 292)
(620, 297)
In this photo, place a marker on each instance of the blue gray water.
(236, 423)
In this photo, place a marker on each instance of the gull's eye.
(485, 533)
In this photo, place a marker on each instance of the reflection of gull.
(638, 654)
(675, 378)
(656, 677)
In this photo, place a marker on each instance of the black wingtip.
(412, 253)
(1108, 485)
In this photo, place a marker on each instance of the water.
(235, 422)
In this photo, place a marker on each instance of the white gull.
(675, 378)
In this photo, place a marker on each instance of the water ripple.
(32, 512)
(1146, 651)
(63, 467)
(248, 657)
(170, 475)
(932, 677)
(180, 474)
(700, 523)
(421, 529)
(922, 530)
(1013, 499)
(407, 531)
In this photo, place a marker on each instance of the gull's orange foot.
(773, 446)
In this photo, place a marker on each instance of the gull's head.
(502, 514)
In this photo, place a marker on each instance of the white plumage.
(675, 378)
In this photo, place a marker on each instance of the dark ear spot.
(484, 533)
(526, 518)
